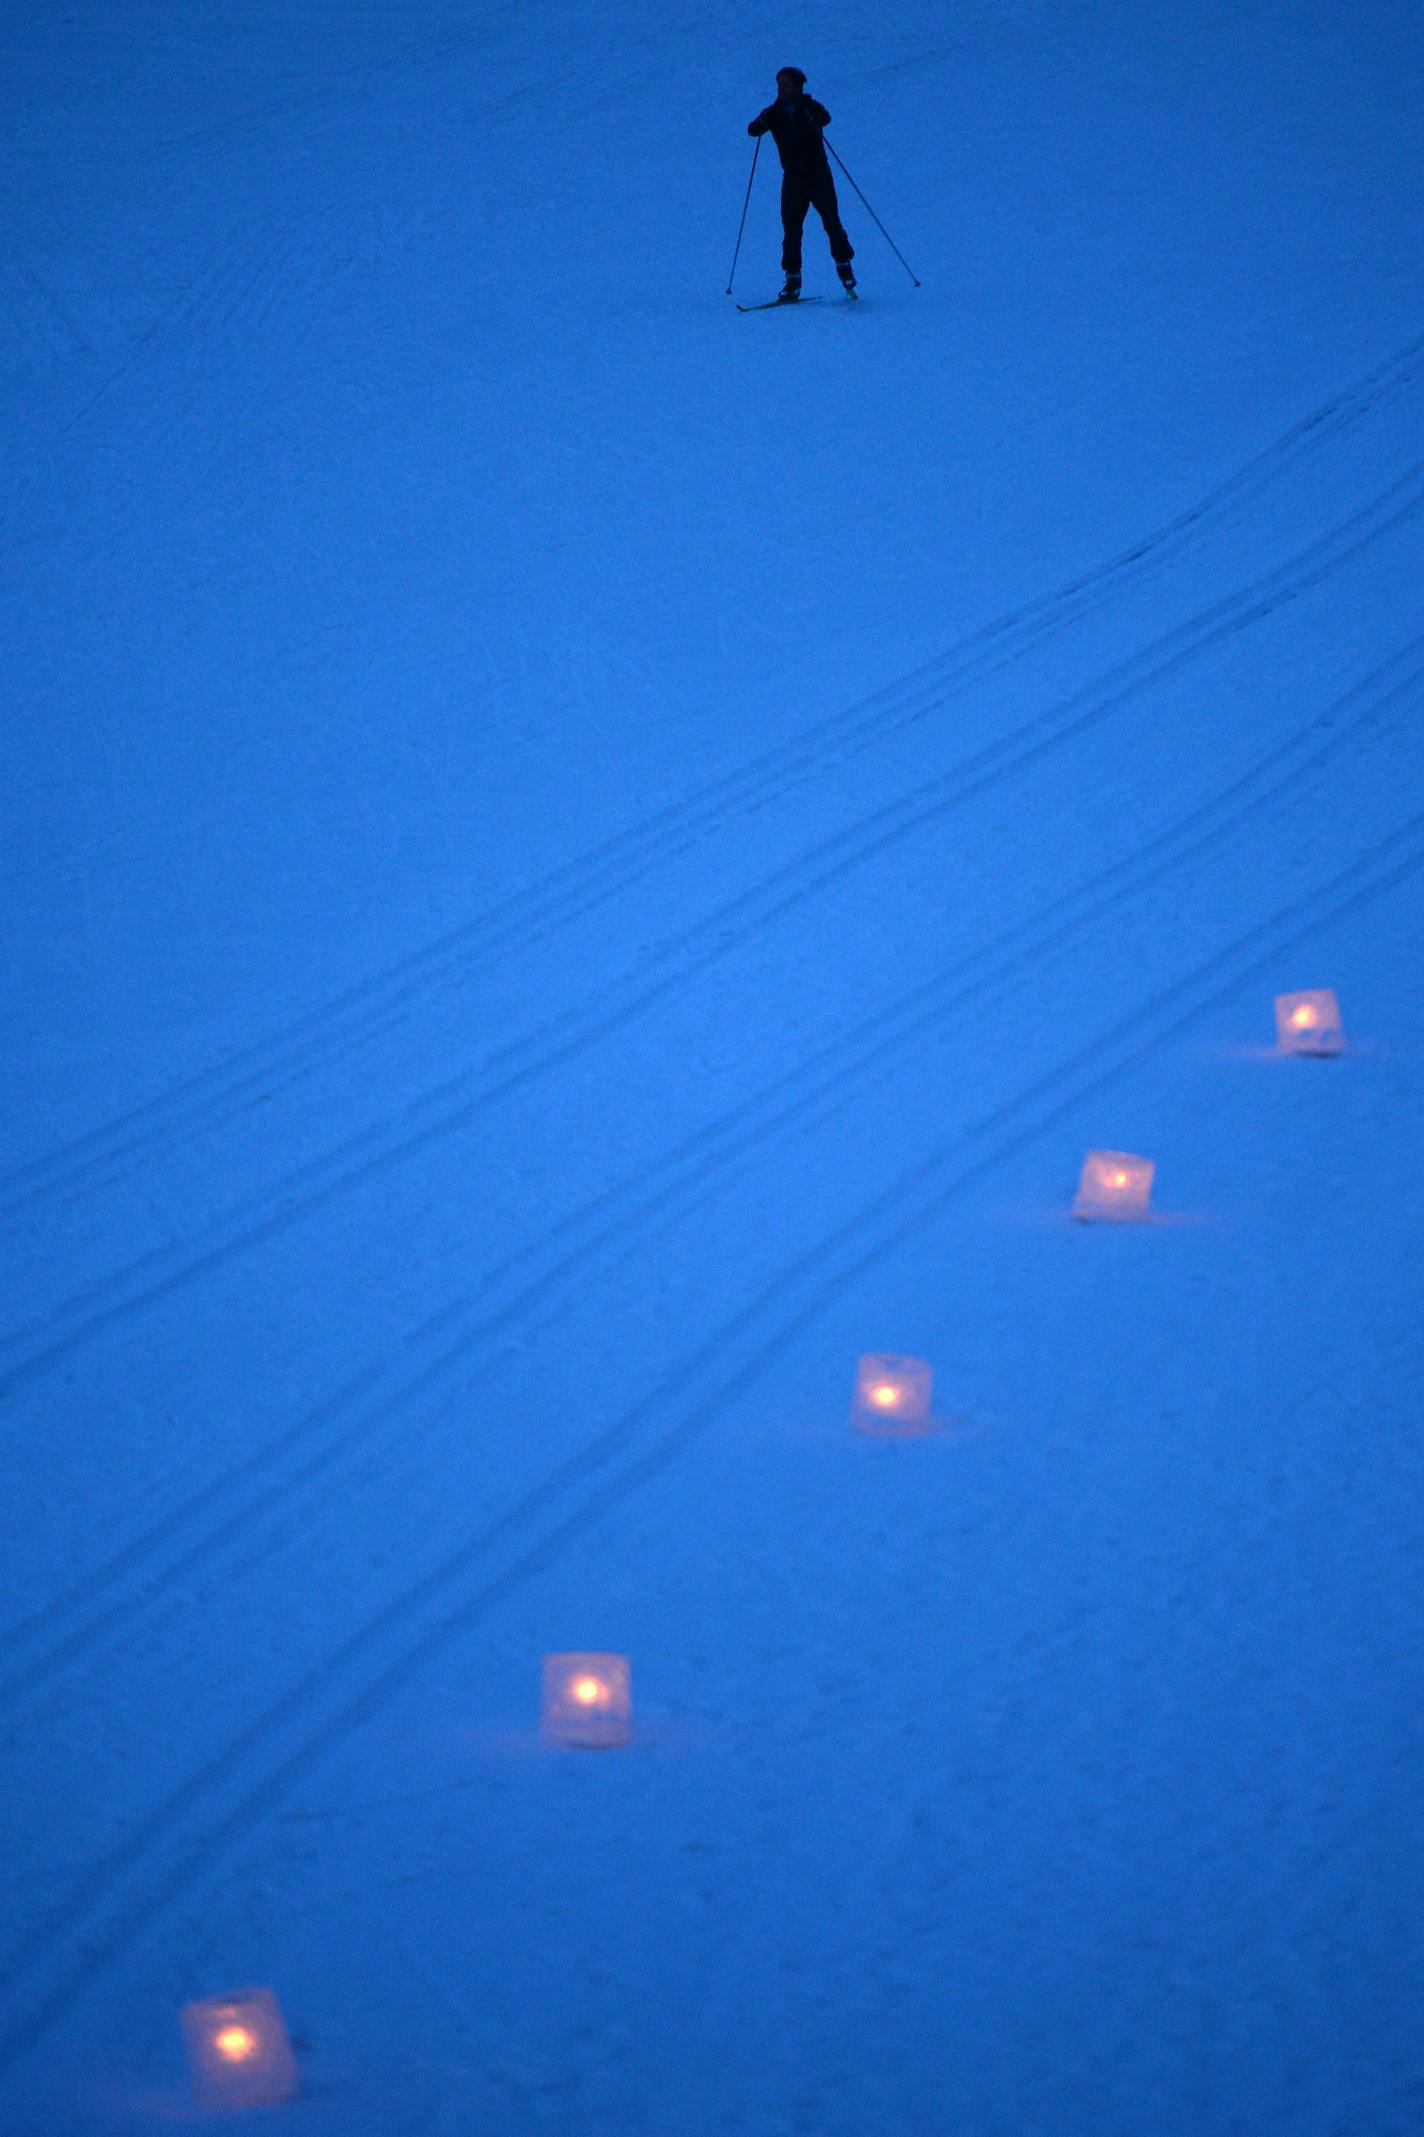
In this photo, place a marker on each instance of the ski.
(786, 304)
(779, 304)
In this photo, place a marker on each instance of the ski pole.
(745, 205)
(879, 226)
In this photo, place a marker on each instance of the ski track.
(214, 1810)
(123, 1895)
(112, 1596)
(337, 88)
(232, 292)
(373, 1007)
(218, 296)
(341, 85)
(458, 1100)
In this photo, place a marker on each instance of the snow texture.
(575, 862)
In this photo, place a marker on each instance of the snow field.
(545, 922)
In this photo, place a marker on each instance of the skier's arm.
(817, 113)
(761, 123)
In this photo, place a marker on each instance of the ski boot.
(847, 275)
(791, 290)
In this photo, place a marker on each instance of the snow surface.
(575, 861)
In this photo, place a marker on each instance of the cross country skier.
(795, 122)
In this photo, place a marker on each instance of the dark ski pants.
(801, 190)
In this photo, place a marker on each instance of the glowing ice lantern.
(588, 1700)
(892, 1394)
(1309, 1022)
(1114, 1185)
(238, 2050)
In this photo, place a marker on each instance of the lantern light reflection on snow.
(588, 1700)
(1114, 1185)
(892, 1394)
(1309, 1022)
(238, 2050)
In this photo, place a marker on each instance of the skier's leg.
(827, 207)
(795, 200)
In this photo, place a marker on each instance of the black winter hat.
(791, 74)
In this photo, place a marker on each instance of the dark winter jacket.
(796, 130)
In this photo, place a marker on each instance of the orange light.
(1114, 1185)
(588, 1700)
(892, 1394)
(239, 2051)
(1308, 1022)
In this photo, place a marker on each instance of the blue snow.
(574, 862)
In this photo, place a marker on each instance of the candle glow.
(1114, 1186)
(587, 1700)
(239, 2053)
(892, 1393)
(1308, 1022)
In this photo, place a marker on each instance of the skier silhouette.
(796, 123)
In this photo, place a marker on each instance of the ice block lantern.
(238, 2050)
(1309, 1022)
(1114, 1185)
(892, 1394)
(588, 1700)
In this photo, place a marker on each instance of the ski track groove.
(227, 294)
(328, 95)
(456, 1101)
(61, 337)
(574, 888)
(108, 1599)
(123, 1895)
(207, 286)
